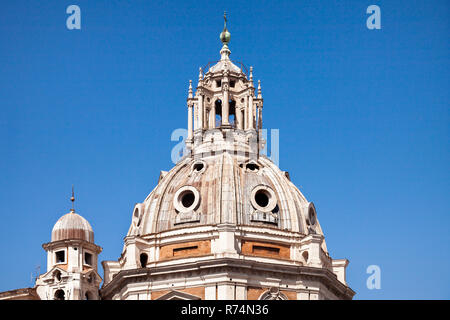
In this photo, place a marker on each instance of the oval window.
(186, 199)
(311, 218)
(263, 199)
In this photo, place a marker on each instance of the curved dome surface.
(72, 226)
(220, 189)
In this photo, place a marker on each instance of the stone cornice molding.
(72, 243)
(226, 265)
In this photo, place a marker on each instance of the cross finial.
(225, 19)
(73, 201)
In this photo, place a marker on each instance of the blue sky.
(363, 118)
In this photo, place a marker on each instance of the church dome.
(223, 188)
(72, 226)
(225, 222)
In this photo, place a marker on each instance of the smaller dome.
(72, 226)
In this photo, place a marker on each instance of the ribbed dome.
(221, 189)
(72, 226)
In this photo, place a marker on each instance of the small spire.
(251, 74)
(73, 201)
(190, 89)
(200, 74)
(259, 90)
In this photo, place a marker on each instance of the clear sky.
(363, 118)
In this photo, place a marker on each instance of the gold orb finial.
(225, 35)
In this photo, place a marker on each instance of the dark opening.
(143, 258)
(60, 295)
(232, 83)
(198, 166)
(261, 198)
(276, 209)
(312, 216)
(233, 112)
(87, 296)
(60, 256)
(58, 275)
(218, 83)
(305, 255)
(218, 105)
(88, 258)
(264, 249)
(252, 166)
(187, 199)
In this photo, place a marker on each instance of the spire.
(200, 74)
(225, 38)
(251, 75)
(259, 90)
(190, 90)
(73, 201)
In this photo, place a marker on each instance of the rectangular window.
(266, 250)
(232, 83)
(60, 256)
(184, 251)
(218, 83)
(88, 258)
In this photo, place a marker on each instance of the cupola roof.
(72, 226)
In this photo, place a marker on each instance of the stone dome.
(72, 226)
(225, 223)
(225, 189)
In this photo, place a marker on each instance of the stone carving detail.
(273, 294)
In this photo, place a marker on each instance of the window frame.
(91, 257)
(64, 250)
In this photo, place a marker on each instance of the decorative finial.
(251, 74)
(190, 89)
(200, 74)
(259, 89)
(225, 35)
(73, 200)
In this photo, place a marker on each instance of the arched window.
(143, 259)
(218, 105)
(232, 112)
(60, 295)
